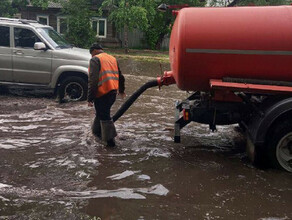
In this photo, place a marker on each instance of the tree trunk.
(159, 41)
(162, 34)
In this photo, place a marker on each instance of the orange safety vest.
(108, 74)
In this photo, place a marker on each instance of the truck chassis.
(262, 108)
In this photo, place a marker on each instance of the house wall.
(113, 39)
(31, 13)
(136, 39)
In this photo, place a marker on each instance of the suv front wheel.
(72, 88)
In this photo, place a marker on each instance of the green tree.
(79, 14)
(160, 24)
(143, 15)
(42, 3)
(10, 7)
(6, 9)
(129, 14)
(228, 3)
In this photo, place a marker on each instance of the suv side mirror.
(39, 46)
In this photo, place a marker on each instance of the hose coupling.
(166, 79)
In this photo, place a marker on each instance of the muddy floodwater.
(51, 167)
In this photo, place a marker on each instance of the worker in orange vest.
(105, 81)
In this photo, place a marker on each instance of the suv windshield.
(54, 38)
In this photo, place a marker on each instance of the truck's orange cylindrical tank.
(240, 42)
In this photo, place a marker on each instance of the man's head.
(95, 49)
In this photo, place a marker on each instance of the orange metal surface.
(225, 96)
(251, 88)
(239, 42)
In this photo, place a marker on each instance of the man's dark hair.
(95, 46)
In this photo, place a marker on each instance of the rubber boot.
(96, 128)
(108, 132)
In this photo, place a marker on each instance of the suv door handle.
(18, 52)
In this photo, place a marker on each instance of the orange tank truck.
(238, 64)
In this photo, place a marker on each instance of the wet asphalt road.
(51, 167)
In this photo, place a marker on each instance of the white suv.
(34, 55)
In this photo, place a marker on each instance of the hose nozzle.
(166, 80)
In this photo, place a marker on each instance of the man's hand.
(122, 95)
(90, 104)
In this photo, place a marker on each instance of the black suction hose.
(133, 98)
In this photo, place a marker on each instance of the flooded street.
(51, 167)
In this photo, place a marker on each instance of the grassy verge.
(141, 55)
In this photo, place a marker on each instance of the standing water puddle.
(51, 167)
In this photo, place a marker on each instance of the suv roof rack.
(23, 21)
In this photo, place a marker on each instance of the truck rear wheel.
(280, 146)
(72, 88)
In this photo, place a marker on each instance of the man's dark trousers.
(103, 126)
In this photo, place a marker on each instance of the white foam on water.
(143, 177)
(35, 165)
(158, 189)
(39, 153)
(156, 152)
(4, 129)
(66, 163)
(2, 185)
(82, 174)
(4, 199)
(61, 141)
(123, 193)
(125, 162)
(122, 175)
(7, 146)
(274, 218)
(120, 193)
(52, 159)
(118, 155)
(28, 127)
(73, 127)
(16, 143)
(92, 161)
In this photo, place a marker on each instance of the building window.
(5, 36)
(43, 19)
(99, 25)
(62, 25)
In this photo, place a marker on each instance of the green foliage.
(10, 7)
(263, 2)
(6, 9)
(125, 14)
(42, 3)
(159, 23)
(79, 14)
(143, 15)
(225, 3)
(131, 13)
(18, 4)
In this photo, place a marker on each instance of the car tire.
(72, 88)
(280, 146)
